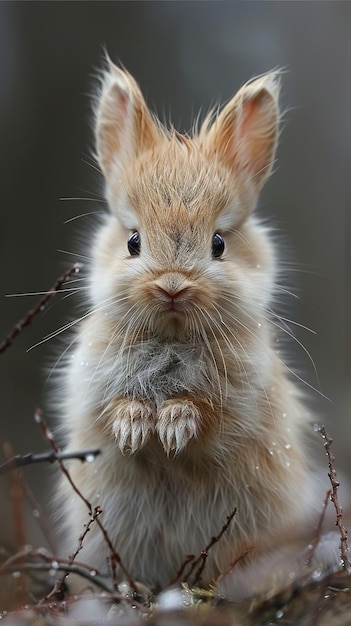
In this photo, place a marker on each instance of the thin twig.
(17, 501)
(109, 595)
(39, 418)
(37, 510)
(115, 558)
(233, 564)
(344, 547)
(188, 559)
(39, 553)
(204, 553)
(58, 587)
(18, 523)
(97, 512)
(61, 567)
(24, 560)
(28, 318)
(317, 534)
(20, 460)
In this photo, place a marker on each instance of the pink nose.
(173, 297)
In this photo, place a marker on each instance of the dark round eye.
(134, 244)
(217, 246)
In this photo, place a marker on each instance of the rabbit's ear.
(244, 135)
(124, 125)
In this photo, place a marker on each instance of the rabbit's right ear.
(245, 133)
(124, 125)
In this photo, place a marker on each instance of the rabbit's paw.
(177, 423)
(133, 424)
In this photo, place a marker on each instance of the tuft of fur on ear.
(124, 125)
(244, 135)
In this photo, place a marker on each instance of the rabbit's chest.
(156, 370)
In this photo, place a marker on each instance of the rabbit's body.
(157, 509)
(175, 376)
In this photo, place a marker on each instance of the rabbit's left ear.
(124, 124)
(244, 135)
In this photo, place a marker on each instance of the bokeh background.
(185, 56)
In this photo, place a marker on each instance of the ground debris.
(306, 602)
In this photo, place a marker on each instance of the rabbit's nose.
(172, 282)
(173, 290)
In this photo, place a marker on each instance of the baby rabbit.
(174, 374)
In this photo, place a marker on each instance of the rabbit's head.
(181, 254)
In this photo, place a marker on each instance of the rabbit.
(173, 372)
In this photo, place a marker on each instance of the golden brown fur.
(174, 374)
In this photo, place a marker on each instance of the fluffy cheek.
(247, 274)
(241, 296)
(107, 291)
(112, 270)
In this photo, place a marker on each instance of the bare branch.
(233, 564)
(39, 553)
(204, 554)
(18, 522)
(317, 534)
(200, 559)
(42, 560)
(344, 547)
(20, 460)
(39, 418)
(28, 318)
(93, 578)
(178, 577)
(115, 558)
(58, 587)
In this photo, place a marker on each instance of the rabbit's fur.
(174, 374)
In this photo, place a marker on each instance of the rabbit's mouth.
(171, 320)
(175, 302)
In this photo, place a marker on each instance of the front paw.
(177, 423)
(134, 423)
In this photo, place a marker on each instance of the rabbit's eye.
(217, 246)
(134, 244)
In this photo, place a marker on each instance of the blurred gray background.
(185, 55)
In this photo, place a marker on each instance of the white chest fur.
(150, 370)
